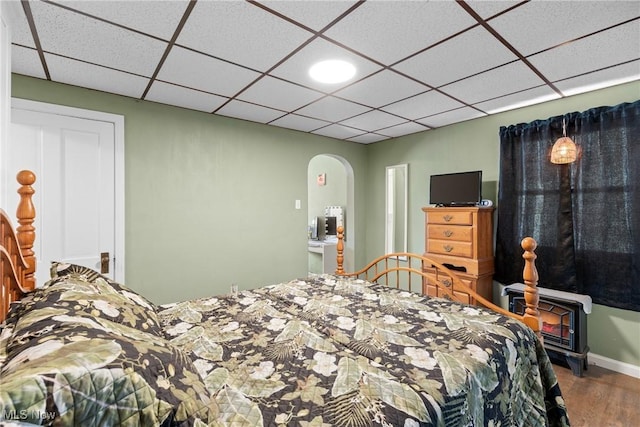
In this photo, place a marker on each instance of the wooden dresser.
(460, 238)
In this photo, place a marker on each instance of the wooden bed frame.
(17, 259)
(17, 266)
(404, 270)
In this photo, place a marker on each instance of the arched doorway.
(330, 182)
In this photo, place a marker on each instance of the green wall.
(472, 145)
(210, 200)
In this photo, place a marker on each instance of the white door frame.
(118, 126)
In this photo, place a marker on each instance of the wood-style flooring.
(600, 398)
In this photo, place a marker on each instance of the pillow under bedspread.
(76, 352)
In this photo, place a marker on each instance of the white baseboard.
(614, 365)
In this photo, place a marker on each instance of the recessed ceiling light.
(332, 71)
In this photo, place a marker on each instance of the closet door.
(74, 162)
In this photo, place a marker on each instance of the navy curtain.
(585, 216)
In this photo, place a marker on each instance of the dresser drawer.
(446, 216)
(433, 285)
(460, 233)
(452, 248)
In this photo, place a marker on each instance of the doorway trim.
(350, 236)
(118, 128)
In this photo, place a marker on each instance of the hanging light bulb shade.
(564, 150)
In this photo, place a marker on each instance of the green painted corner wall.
(472, 145)
(220, 209)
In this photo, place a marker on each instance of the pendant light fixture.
(564, 150)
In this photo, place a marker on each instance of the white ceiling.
(421, 64)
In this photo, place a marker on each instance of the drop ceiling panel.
(241, 33)
(296, 69)
(20, 31)
(183, 97)
(594, 52)
(518, 100)
(294, 121)
(455, 116)
(540, 25)
(500, 81)
(271, 92)
(380, 89)
(422, 105)
(373, 120)
(338, 131)
(402, 129)
(26, 61)
(197, 71)
(487, 9)
(471, 52)
(368, 138)
(332, 109)
(77, 73)
(391, 30)
(157, 18)
(246, 111)
(69, 34)
(600, 79)
(310, 13)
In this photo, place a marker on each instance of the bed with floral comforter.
(323, 351)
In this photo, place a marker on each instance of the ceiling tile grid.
(613, 46)
(469, 53)
(240, 33)
(184, 97)
(279, 94)
(420, 64)
(66, 33)
(373, 120)
(298, 122)
(202, 72)
(382, 88)
(248, 111)
(389, 31)
(83, 74)
(333, 109)
(540, 25)
(160, 17)
(600, 79)
(26, 61)
(501, 81)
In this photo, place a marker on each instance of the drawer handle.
(446, 282)
(447, 233)
(448, 248)
(447, 217)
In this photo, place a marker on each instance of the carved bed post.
(340, 250)
(26, 235)
(530, 276)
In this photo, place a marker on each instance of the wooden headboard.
(17, 259)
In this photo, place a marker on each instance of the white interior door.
(75, 164)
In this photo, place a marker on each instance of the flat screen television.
(456, 189)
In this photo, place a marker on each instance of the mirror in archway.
(396, 203)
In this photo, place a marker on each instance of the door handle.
(104, 262)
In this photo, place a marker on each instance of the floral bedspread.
(86, 351)
(333, 352)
